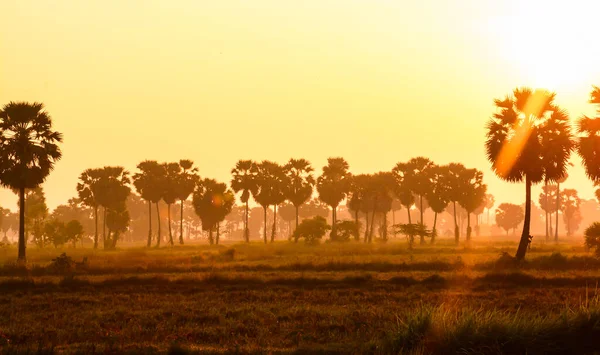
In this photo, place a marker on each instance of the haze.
(376, 82)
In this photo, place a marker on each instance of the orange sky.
(376, 82)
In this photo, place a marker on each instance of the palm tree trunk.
(434, 231)
(366, 226)
(158, 216)
(297, 213)
(149, 223)
(421, 210)
(372, 225)
(384, 231)
(333, 222)
(273, 230)
(456, 232)
(468, 227)
(95, 227)
(557, 208)
(246, 230)
(265, 225)
(104, 227)
(408, 210)
(210, 236)
(525, 239)
(169, 219)
(181, 224)
(21, 257)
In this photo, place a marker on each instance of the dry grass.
(286, 298)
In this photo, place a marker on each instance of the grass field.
(294, 298)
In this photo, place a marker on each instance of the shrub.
(344, 230)
(62, 263)
(592, 237)
(312, 230)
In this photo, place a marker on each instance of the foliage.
(212, 201)
(312, 230)
(509, 216)
(569, 205)
(345, 230)
(592, 237)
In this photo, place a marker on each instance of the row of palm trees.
(529, 138)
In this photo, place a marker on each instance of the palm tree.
(170, 190)
(569, 205)
(185, 187)
(212, 202)
(28, 151)
(244, 179)
(418, 179)
(490, 201)
(301, 182)
(528, 139)
(455, 188)
(112, 192)
(333, 185)
(265, 182)
(88, 189)
(402, 187)
(473, 194)
(148, 182)
(437, 197)
(357, 201)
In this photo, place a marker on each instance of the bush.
(312, 230)
(62, 263)
(592, 237)
(344, 230)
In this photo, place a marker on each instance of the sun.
(552, 44)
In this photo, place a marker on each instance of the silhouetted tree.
(437, 196)
(36, 212)
(113, 190)
(87, 190)
(28, 151)
(528, 139)
(569, 205)
(312, 230)
(148, 181)
(186, 183)
(472, 194)
(455, 187)
(271, 182)
(301, 182)
(333, 185)
(509, 216)
(170, 190)
(490, 202)
(212, 202)
(417, 177)
(548, 205)
(244, 179)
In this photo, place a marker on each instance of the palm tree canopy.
(473, 190)
(301, 181)
(334, 183)
(212, 202)
(529, 136)
(28, 145)
(170, 182)
(588, 146)
(149, 180)
(272, 182)
(437, 196)
(244, 179)
(187, 180)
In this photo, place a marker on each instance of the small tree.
(345, 230)
(312, 230)
(509, 216)
(592, 237)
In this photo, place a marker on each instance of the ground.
(285, 297)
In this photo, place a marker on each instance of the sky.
(376, 82)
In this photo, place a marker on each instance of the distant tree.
(54, 232)
(117, 221)
(113, 190)
(412, 229)
(148, 181)
(244, 179)
(271, 182)
(528, 139)
(74, 231)
(402, 188)
(36, 213)
(87, 190)
(187, 180)
(418, 178)
(312, 230)
(287, 212)
(379, 199)
(454, 174)
(548, 205)
(357, 201)
(558, 194)
(569, 205)
(314, 207)
(334, 185)
(171, 190)
(212, 202)
(301, 182)
(473, 194)
(437, 196)
(509, 216)
(490, 202)
(28, 151)
(75, 210)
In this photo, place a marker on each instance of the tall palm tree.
(170, 190)
(570, 203)
(265, 182)
(148, 182)
(528, 138)
(301, 182)
(88, 190)
(418, 179)
(333, 186)
(28, 151)
(112, 192)
(437, 196)
(455, 188)
(186, 184)
(244, 179)
(402, 188)
(357, 200)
